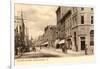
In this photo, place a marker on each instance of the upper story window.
(82, 19)
(82, 8)
(91, 8)
(91, 19)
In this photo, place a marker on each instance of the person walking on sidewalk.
(64, 48)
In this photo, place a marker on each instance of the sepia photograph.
(51, 33)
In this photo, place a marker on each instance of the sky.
(37, 17)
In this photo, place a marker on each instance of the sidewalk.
(69, 52)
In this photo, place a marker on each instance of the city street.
(50, 52)
(56, 33)
(51, 55)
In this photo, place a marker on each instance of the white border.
(87, 3)
(81, 3)
(12, 63)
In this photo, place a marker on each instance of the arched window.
(91, 37)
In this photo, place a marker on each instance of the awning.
(45, 43)
(57, 41)
(62, 41)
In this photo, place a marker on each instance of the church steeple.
(23, 25)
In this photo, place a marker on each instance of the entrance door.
(82, 43)
(69, 43)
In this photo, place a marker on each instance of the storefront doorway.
(82, 43)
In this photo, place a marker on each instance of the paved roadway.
(50, 52)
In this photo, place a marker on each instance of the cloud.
(37, 17)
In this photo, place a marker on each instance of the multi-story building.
(78, 27)
(49, 36)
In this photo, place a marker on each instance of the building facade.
(49, 36)
(19, 29)
(78, 27)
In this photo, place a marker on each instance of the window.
(17, 29)
(20, 27)
(91, 19)
(82, 8)
(91, 8)
(82, 19)
(82, 38)
(91, 37)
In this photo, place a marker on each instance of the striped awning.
(62, 41)
(45, 43)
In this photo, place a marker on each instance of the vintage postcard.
(53, 34)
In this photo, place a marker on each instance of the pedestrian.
(86, 47)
